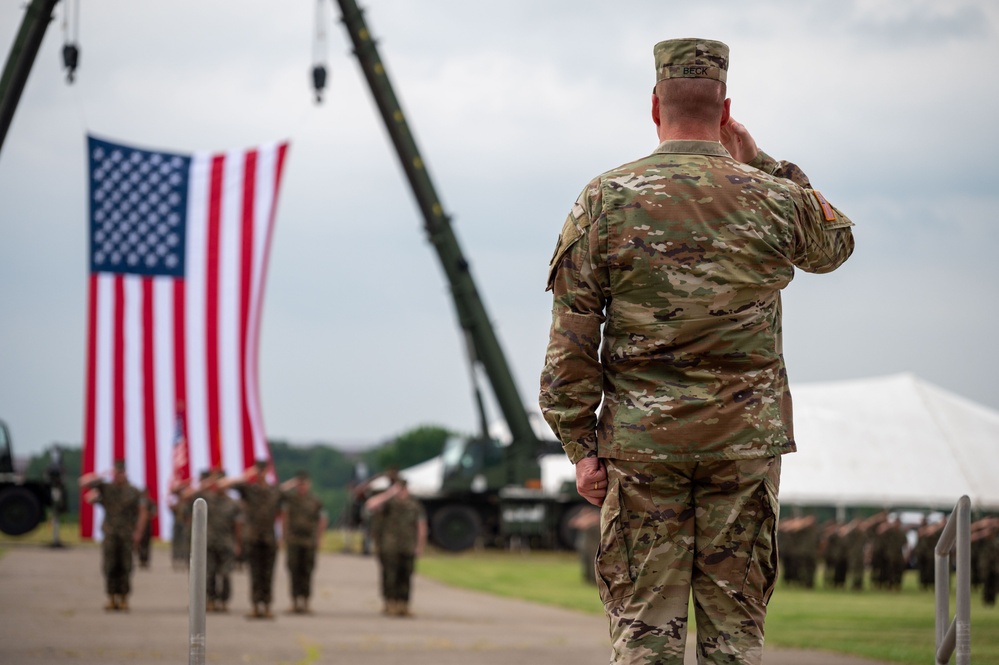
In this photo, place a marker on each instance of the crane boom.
(470, 308)
(36, 20)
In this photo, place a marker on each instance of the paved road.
(50, 613)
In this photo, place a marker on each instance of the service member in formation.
(145, 542)
(261, 509)
(124, 520)
(180, 535)
(664, 377)
(223, 540)
(304, 523)
(399, 533)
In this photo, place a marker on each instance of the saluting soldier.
(261, 507)
(664, 378)
(222, 536)
(145, 542)
(304, 522)
(180, 536)
(124, 519)
(399, 532)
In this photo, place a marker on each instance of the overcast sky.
(889, 106)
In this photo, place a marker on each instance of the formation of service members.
(880, 545)
(125, 517)
(398, 525)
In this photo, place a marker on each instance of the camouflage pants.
(669, 529)
(117, 564)
(218, 564)
(397, 570)
(301, 560)
(260, 556)
(180, 542)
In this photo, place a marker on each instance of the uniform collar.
(687, 147)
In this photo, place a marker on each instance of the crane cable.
(319, 50)
(71, 48)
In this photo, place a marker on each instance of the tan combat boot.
(123, 603)
(112, 603)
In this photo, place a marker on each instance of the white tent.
(893, 441)
(884, 442)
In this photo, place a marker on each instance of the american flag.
(178, 260)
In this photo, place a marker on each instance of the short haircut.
(696, 99)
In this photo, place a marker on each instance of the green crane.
(478, 470)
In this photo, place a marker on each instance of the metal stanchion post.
(196, 605)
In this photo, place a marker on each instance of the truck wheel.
(20, 511)
(455, 527)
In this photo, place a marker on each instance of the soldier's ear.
(726, 112)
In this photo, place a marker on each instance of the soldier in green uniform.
(180, 535)
(124, 520)
(664, 377)
(145, 541)
(222, 540)
(262, 509)
(304, 523)
(399, 533)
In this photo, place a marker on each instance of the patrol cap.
(261, 464)
(119, 465)
(691, 58)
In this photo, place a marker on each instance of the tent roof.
(893, 441)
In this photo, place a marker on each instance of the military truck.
(491, 491)
(22, 502)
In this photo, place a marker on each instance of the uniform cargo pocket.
(612, 563)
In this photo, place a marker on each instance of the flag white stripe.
(266, 192)
(135, 454)
(197, 379)
(230, 239)
(166, 407)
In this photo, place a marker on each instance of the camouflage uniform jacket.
(121, 508)
(223, 515)
(304, 512)
(395, 529)
(261, 505)
(681, 257)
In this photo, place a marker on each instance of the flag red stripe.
(212, 309)
(149, 393)
(246, 275)
(118, 370)
(180, 371)
(90, 415)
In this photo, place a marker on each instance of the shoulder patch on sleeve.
(827, 209)
(569, 235)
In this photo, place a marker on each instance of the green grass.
(882, 625)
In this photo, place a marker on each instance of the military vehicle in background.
(22, 502)
(491, 491)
